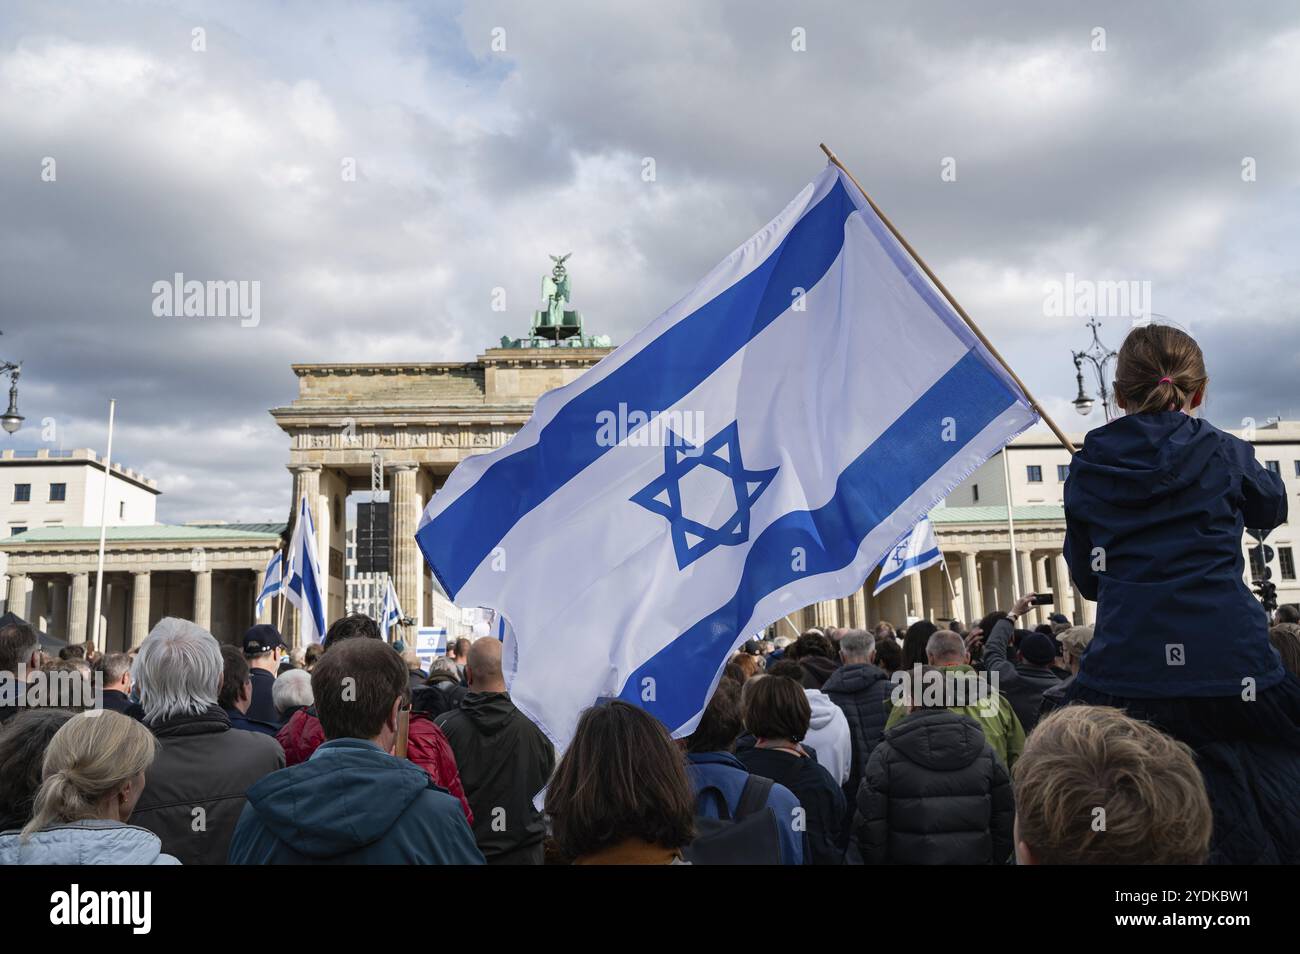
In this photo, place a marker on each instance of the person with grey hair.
(115, 692)
(1073, 642)
(292, 692)
(967, 692)
(195, 788)
(861, 689)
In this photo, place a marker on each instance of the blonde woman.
(92, 777)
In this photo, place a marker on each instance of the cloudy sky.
(1165, 149)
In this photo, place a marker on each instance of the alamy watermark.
(179, 298)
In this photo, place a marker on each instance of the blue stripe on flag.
(458, 539)
(909, 563)
(871, 488)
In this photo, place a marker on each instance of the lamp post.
(11, 420)
(1100, 357)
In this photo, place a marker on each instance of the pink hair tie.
(1166, 381)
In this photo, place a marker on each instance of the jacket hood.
(816, 670)
(346, 796)
(823, 708)
(855, 677)
(938, 739)
(90, 842)
(1139, 459)
(489, 711)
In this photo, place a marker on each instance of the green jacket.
(995, 716)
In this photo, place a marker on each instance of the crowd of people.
(929, 744)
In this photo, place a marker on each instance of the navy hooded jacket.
(351, 803)
(1163, 498)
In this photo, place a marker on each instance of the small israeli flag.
(914, 553)
(391, 614)
(724, 467)
(273, 580)
(303, 588)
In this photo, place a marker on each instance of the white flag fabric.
(272, 580)
(303, 589)
(754, 449)
(917, 551)
(391, 614)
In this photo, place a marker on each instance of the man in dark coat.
(862, 690)
(236, 693)
(194, 790)
(115, 669)
(504, 761)
(1023, 682)
(263, 648)
(352, 802)
(934, 793)
(20, 656)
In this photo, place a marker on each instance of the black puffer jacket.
(441, 693)
(934, 793)
(862, 691)
(1021, 683)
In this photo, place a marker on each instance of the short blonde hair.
(89, 757)
(1095, 786)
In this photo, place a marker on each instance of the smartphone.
(1042, 599)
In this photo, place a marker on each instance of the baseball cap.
(261, 638)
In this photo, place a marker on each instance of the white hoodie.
(828, 733)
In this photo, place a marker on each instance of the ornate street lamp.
(1100, 357)
(12, 420)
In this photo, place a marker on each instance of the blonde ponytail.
(91, 756)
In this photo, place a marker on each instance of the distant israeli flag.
(273, 578)
(756, 448)
(391, 614)
(303, 589)
(917, 551)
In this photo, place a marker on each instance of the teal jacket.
(351, 803)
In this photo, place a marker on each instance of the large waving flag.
(273, 580)
(391, 614)
(303, 589)
(756, 448)
(913, 554)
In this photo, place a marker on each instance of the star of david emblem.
(663, 495)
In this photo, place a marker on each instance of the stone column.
(1026, 564)
(403, 516)
(915, 597)
(858, 602)
(141, 587)
(203, 599)
(80, 611)
(1041, 585)
(59, 607)
(40, 603)
(1087, 609)
(16, 602)
(970, 589)
(258, 583)
(306, 483)
(824, 615)
(1064, 589)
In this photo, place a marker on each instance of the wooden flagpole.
(1033, 402)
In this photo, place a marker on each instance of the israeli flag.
(303, 589)
(273, 579)
(910, 555)
(756, 448)
(391, 614)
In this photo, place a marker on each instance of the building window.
(1286, 560)
(22, 493)
(121, 510)
(1274, 466)
(975, 493)
(1062, 471)
(14, 531)
(58, 492)
(1297, 468)
(1035, 473)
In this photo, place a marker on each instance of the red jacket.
(426, 746)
